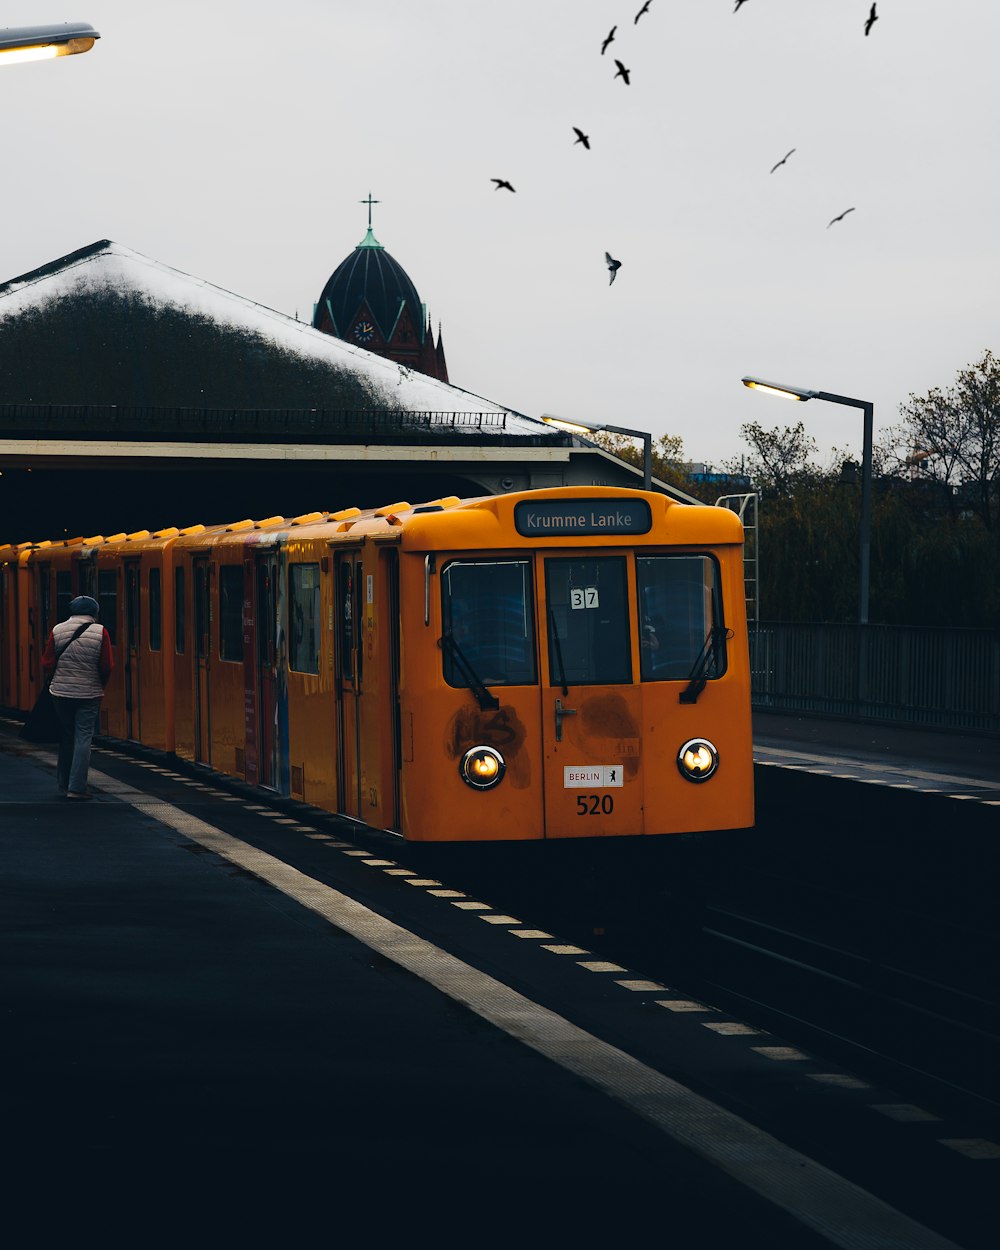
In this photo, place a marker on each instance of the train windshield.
(488, 613)
(679, 605)
(588, 621)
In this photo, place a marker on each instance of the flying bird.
(501, 182)
(622, 72)
(841, 217)
(611, 35)
(644, 9)
(613, 265)
(581, 138)
(782, 161)
(872, 19)
(739, 3)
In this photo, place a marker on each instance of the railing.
(948, 678)
(321, 425)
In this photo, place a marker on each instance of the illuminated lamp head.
(697, 759)
(482, 768)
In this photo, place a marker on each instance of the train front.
(575, 665)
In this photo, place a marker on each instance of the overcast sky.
(233, 139)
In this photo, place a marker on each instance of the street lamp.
(578, 426)
(795, 392)
(40, 43)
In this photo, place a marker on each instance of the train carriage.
(552, 664)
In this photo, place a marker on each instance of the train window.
(155, 610)
(488, 610)
(588, 621)
(107, 597)
(88, 576)
(45, 621)
(132, 606)
(679, 604)
(179, 611)
(346, 597)
(202, 614)
(64, 594)
(303, 618)
(231, 612)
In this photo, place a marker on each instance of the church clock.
(364, 331)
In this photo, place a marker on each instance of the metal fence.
(948, 678)
(89, 421)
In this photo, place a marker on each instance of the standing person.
(80, 652)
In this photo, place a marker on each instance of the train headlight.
(697, 759)
(482, 768)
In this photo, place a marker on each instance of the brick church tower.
(369, 300)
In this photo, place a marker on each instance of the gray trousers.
(77, 722)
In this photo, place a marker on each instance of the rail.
(320, 425)
(907, 675)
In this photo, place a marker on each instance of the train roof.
(424, 524)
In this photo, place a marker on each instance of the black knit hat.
(83, 605)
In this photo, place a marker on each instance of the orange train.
(566, 663)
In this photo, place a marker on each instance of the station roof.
(105, 325)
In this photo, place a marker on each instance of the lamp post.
(577, 426)
(40, 43)
(795, 392)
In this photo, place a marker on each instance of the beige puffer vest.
(77, 675)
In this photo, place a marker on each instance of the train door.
(350, 674)
(130, 650)
(266, 618)
(202, 661)
(591, 711)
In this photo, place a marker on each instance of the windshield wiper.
(698, 677)
(486, 700)
(554, 632)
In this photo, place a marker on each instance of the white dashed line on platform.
(903, 1112)
(558, 949)
(781, 1053)
(972, 1147)
(682, 1004)
(643, 986)
(468, 905)
(839, 1079)
(500, 919)
(729, 1028)
(600, 965)
(530, 933)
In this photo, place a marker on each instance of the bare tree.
(778, 459)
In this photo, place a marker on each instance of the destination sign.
(548, 517)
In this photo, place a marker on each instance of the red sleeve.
(49, 654)
(106, 662)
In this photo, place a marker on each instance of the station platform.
(219, 1009)
(958, 765)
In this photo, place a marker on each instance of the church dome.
(370, 280)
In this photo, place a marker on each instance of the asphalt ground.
(205, 1020)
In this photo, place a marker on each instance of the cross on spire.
(369, 202)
